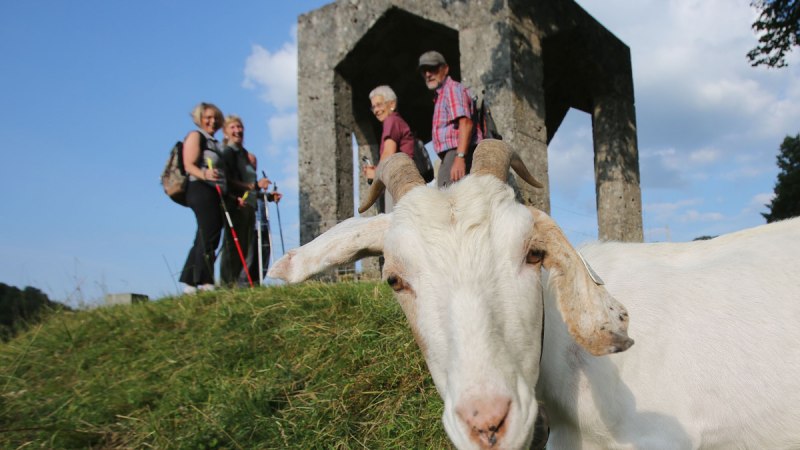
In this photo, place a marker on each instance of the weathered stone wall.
(534, 60)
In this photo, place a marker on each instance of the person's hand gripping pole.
(277, 209)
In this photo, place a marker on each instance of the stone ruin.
(533, 60)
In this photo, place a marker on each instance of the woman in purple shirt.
(396, 135)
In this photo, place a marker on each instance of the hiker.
(199, 149)
(454, 135)
(242, 179)
(396, 135)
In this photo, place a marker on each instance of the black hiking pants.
(205, 203)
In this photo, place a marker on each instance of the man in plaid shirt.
(454, 134)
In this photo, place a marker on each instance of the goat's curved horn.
(375, 191)
(398, 174)
(492, 157)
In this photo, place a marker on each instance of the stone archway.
(534, 60)
(388, 54)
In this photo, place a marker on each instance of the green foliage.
(786, 202)
(778, 26)
(18, 308)
(307, 366)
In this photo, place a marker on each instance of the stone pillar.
(504, 58)
(616, 168)
(315, 114)
(368, 146)
(343, 167)
(529, 138)
(345, 125)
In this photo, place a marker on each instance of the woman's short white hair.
(384, 91)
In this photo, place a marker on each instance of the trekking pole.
(278, 210)
(280, 227)
(258, 233)
(265, 211)
(230, 227)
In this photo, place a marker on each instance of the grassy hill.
(329, 366)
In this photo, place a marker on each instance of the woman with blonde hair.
(202, 160)
(242, 205)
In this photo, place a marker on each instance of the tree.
(786, 202)
(19, 307)
(779, 28)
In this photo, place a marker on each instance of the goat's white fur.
(717, 359)
(717, 352)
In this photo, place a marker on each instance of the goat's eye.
(534, 256)
(396, 283)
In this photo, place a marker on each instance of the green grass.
(316, 365)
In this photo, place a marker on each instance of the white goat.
(717, 323)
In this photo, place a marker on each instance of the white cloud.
(282, 127)
(668, 157)
(292, 183)
(758, 203)
(691, 74)
(705, 156)
(782, 115)
(709, 124)
(679, 38)
(283, 162)
(744, 96)
(665, 210)
(693, 215)
(762, 199)
(661, 169)
(746, 172)
(274, 74)
(570, 156)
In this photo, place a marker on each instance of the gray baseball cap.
(432, 59)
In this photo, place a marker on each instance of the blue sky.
(94, 94)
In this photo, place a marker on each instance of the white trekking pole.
(258, 233)
(280, 227)
(264, 214)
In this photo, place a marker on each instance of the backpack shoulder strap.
(204, 145)
(202, 141)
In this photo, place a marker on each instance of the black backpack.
(422, 160)
(174, 178)
(483, 120)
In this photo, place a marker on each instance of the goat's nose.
(485, 417)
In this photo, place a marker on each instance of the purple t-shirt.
(396, 129)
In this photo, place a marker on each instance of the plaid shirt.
(452, 101)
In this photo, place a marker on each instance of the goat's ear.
(595, 319)
(349, 241)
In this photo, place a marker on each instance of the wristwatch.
(460, 155)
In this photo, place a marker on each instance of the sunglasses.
(429, 69)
